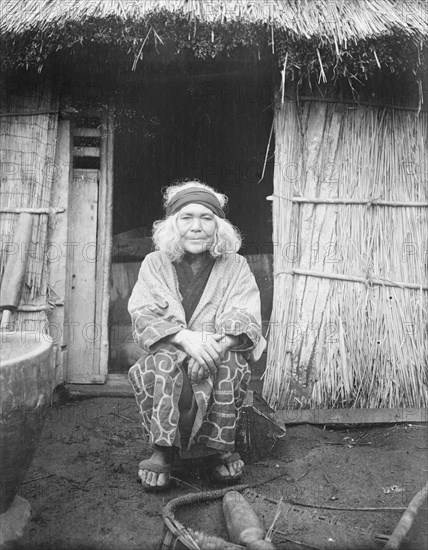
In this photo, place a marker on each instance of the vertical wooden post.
(105, 229)
(104, 352)
(56, 245)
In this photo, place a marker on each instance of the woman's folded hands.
(205, 351)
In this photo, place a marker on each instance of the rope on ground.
(326, 507)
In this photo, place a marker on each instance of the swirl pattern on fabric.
(157, 380)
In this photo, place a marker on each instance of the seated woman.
(195, 313)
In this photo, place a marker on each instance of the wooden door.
(89, 253)
(81, 324)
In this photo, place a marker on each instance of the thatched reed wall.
(27, 173)
(348, 327)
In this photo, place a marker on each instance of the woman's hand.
(226, 342)
(196, 372)
(202, 347)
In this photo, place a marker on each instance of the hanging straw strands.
(27, 175)
(354, 39)
(334, 342)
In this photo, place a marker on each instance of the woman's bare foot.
(155, 471)
(231, 466)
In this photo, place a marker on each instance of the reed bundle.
(342, 343)
(27, 145)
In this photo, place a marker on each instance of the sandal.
(225, 461)
(158, 469)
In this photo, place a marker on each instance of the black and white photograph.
(213, 274)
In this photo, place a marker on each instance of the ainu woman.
(196, 315)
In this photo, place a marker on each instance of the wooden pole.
(366, 202)
(31, 113)
(18, 210)
(358, 103)
(14, 272)
(16, 266)
(406, 521)
(58, 234)
(352, 278)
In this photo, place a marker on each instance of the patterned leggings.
(157, 380)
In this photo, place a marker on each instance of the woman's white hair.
(166, 237)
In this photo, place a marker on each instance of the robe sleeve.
(241, 313)
(155, 311)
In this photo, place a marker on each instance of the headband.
(197, 195)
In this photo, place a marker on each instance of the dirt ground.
(84, 493)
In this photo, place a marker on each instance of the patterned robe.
(230, 304)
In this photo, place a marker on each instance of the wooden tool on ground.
(243, 525)
(15, 268)
(406, 520)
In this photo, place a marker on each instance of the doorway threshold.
(117, 385)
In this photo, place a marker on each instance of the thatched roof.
(351, 20)
(385, 32)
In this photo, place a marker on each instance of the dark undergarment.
(192, 286)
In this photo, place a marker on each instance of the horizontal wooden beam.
(262, 73)
(31, 113)
(115, 387)
(364, 202)
(86, 151)
(28, 308)
(378, 105)
(19, 210)
(93, 112)
(91, 381)
(351, 416)
(86, 132)
(352, 279)
(118, 386)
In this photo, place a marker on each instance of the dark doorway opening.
(214, 129)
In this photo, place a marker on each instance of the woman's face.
(196, 225)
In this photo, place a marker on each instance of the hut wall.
(350, 279)
(28, 132)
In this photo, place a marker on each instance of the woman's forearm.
(176, 338)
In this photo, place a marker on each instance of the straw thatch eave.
(339, 20)
(330, 38)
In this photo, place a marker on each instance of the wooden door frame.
(99, 368)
